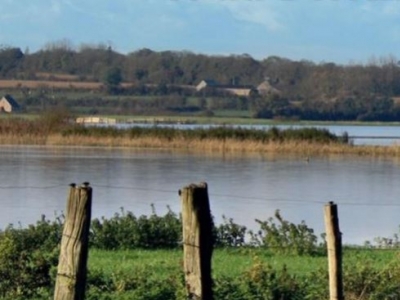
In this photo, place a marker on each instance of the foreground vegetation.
(135, 257)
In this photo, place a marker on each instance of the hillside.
(146, 81)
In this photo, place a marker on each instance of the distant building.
(238, 90)
(266, 88)
(95, 120)
(207, 83)
(8, 104)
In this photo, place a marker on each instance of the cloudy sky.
(341, 31)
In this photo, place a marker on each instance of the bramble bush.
(286, 237)
(126, 231)
(27, 258)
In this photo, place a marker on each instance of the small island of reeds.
(56, 129)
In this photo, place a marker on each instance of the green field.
(233, 262)
(247, 274)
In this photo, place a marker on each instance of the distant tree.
(272, 106)
(10, 59)
(140, 74)
(113, 79)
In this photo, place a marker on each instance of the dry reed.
(209, 145)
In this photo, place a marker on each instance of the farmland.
(54, 84)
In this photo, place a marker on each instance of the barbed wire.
(135, 188)
(175, 192)
(32, 187)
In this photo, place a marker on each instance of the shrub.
(229, 234)
(126, 231)
(261, 281)
(27, 257)
(286, 237)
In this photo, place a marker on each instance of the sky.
(339, 31)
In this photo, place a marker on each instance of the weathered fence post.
(71, 274)
(334, 245)
(197, 241)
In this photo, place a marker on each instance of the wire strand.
(175, 192)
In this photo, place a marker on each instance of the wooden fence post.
(71, 274)
(197, 241)
(334, 245)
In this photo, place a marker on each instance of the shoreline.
(231, 146)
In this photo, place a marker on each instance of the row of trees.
(307, 89)
(350, 108)
(297, 79)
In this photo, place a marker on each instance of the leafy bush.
(27, 257)
(229, 234)
(261, 281)
(286, 237)
(126, 231)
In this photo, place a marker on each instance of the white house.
(8, 104)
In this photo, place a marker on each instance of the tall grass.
(57, 129)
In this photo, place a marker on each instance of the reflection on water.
(34, 181)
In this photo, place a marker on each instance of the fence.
(197, 221)
(197, 244)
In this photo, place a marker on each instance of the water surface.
(34, 181)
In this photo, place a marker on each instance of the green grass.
(161, 263)
(231, 262)
(227, 113)
(240, 118)
(228, 117)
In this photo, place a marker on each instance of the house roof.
(11, 100)
(210, 82)
(213, 83)
(266, 86)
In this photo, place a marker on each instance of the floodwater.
(35, 181)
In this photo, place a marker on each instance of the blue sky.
(341, 31)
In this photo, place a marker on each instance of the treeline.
(306, 90)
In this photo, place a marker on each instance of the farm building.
(266, 88)
(207, 83)
(238, 90)
(8, 104)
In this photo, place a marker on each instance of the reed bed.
(56, 130)
(209, 145)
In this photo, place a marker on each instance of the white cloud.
(56, 7)
(391, 8)
(30, 11)
(72, 6)
(258, 12)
